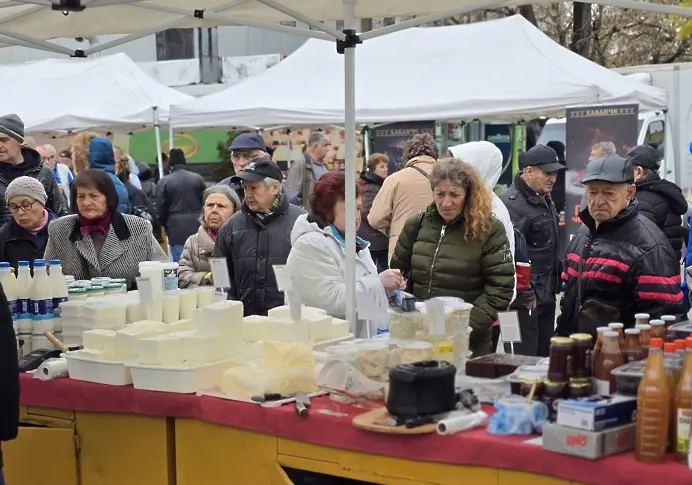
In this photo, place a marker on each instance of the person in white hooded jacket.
(486, 158)
(317, 261)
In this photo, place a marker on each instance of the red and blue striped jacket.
(611, 272)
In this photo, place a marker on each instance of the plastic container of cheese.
(181, 379)
(82, 368)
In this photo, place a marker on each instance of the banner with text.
(588, 126)
(391, 138)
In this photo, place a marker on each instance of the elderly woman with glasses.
(220, 203)
(24, 238)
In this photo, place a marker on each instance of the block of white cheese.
(284, 330)
(182, 325)
(221, 319)
(160, 350)
(101, 340)
(340, 328)
(127, 340)
(199, 348)
(320, 326)
(284, 312)
(255, 328)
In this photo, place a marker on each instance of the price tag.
(219, 272)
(283, 278)
(509, 327)
(145, 290)
(436, 316)
(220, 295)
(294, 305)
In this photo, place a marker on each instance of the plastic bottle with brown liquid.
(620, 329)
(633, 348)
(610, 357)
(653, 408)
(683, 403)
(600, 331)
(672, 370)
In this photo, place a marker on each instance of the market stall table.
(141, 437)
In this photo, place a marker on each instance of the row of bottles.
(36, 298)
(664, 401)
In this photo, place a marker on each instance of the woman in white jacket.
(317, 262)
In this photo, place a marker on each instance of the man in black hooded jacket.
(660, 201)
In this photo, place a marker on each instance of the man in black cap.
(619, 263)
(533, 215)
(659, 200)
(245, 148)
(17, 160)
(258, 237)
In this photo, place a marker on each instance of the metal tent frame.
(346, 43)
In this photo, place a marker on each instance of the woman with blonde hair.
(457, 248)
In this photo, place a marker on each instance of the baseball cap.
(644, 156)
(543, 157)
(248, 141)
(259, 169)
(611, 168)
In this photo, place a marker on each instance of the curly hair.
(80, 150)
(423, 144)
(122, 168)
(478, 208)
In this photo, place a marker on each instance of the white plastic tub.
(101, 371)
(182, 379)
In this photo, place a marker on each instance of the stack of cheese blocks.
(315, 326)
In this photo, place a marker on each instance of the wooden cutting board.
(375, 420)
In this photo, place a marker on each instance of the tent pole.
(171, 136)
(157, 134)
(350, 168)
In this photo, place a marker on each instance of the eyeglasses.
(25, 206)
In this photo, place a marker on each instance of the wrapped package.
(405, 325)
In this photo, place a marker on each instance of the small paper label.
(24, 306)
(219, 272)
(145, 290)
(43, 307)
(683, 430)
(509, 326)
(294, 305)
(219, 295)
(601, 387)
(436, 316)
(283, 278)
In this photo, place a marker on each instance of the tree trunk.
(528, 13)
(581, 29)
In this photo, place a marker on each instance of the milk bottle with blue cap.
(24, 307)
(9, 285)
(41, 295)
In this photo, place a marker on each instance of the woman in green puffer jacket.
(459, 249)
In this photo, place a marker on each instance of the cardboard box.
(597, 412)
(589, 444)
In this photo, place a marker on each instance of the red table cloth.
(476, 448)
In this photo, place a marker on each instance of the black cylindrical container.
(421, 388)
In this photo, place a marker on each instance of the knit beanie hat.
(13, 126)
(27, 186)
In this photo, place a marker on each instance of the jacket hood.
(32, 159)
(666, 189)
(305, 224)
(101, 155)
(484, 157)
(145, 172)
(372, 178)
(421, 159)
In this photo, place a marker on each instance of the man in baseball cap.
(534, 215)
(659, 200)
(18, 160)
(619, 263)
(258, 237)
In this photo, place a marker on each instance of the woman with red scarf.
(99, 241)
(220, 203)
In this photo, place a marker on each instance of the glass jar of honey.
(600, 332)
(528, 384)
(559, 368)
(553, 392)
(581, 355)
(641, 319)
(633, 347)
(579, 388)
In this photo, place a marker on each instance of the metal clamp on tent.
(351, 40)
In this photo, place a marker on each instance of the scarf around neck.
(44, 223)
(98, 224)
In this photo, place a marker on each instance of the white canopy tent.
(34, 21)
(423, 74)
(108, 92)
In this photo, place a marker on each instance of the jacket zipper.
(432, 266)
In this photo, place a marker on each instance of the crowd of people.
(434, 229)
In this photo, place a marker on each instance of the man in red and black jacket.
(9, 378)
(619, 263)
